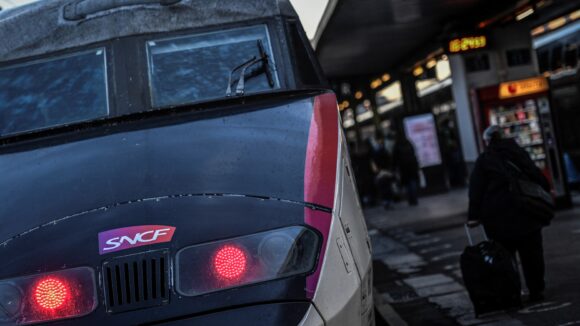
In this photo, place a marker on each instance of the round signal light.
(51, 293)
(230, 262)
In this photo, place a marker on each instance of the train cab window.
(195, 68)
(48, 93)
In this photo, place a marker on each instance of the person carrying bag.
(509, 195)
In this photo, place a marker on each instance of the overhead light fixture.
(538, 30)
(557, 23)
(358, 95)
(431, 63)
(376, 83)
(418, 71)
(574, 15)
(524, 13)
(385, 78)
(540, 4)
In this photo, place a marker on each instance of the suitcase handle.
(468, 232)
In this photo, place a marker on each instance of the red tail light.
(230, 262)
(246, 260)
(51, 293)
(47, 297)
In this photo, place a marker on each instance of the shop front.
(523, 110)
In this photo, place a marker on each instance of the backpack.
(529, 197)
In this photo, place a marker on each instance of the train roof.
(54, 25)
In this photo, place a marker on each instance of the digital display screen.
(467, 44)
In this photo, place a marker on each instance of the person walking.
(406, 163)
(361, 159)
(491, 203)
(382, 162)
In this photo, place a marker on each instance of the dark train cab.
(173, 162)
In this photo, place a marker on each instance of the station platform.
(416, 266)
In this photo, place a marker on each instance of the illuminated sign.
(467, 43)
(523, 87)
(422, 133)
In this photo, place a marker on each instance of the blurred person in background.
(361, 159)
(383, 168)
(405, 162)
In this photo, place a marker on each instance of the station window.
(49, 93)
(544, 60)
(556, 61)
(518, 57)
(196, 68)
(477, 62)
(571, 56)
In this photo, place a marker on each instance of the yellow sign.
(468, 43)
(523, 87)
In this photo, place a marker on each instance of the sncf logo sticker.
(134, 236)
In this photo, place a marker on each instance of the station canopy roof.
(366, 37)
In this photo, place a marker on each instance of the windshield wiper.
(264, 59)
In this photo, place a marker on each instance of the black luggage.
(491, 276)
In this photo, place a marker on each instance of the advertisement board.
(422, 133)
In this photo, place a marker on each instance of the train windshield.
(200, 67)
(42, 94)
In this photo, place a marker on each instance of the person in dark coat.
(361, 164)
(381, 160)
(490, 203)
(406, 163)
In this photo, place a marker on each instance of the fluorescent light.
(524, 14)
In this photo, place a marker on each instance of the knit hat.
(492, 132)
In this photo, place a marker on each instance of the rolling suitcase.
(491, 276)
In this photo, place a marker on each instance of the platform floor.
(416, 266)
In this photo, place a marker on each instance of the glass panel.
(50, 93)
(195, 68)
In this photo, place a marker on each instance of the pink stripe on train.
(320, 173)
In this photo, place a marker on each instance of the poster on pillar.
(422, 133)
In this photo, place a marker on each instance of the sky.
(310, 11)
(11, 3)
